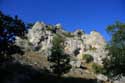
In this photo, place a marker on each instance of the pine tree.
(60, 60)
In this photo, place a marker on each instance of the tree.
(88, 58)
(60, 60)
(115, 62)
(9, 28)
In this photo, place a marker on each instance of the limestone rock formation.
(40, 36)
(38, 42)
(101, 77)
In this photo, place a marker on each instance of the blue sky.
(72, 14)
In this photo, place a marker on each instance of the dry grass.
(37, 60)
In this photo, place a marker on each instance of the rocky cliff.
(38, 42)
(40, 36)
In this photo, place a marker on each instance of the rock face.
(101, 77)
(40, 36)
(34, 34)
(37, 45)
(96, 46)
(92, 44)
(122, 80)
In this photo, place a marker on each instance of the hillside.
(78, 45)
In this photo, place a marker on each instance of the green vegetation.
(97, 68)
(9, 28)
(76, 51)
(115, 65)
(58, 58)
(81, 40)
(88, 58)
(92, 48)
(49, 27)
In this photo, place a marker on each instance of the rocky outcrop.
(40, 36)
(101, 77)
(38, 42)
(95, 46)
(122, 80)
(92, 44)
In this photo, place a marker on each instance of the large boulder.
(102, 77)
(121, 80)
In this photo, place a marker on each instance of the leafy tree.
(88, 58)
(97, 68)
(115, 62)
(9, 28)
(59, 59)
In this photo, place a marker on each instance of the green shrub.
(49, 27)
(97, 68)
(92, 48)
(81, 40)
(60, 60)
(88, 58)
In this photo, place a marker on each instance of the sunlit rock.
(76, 43)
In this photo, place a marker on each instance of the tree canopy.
(60, 60)
(115, 63)
(9, 28)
